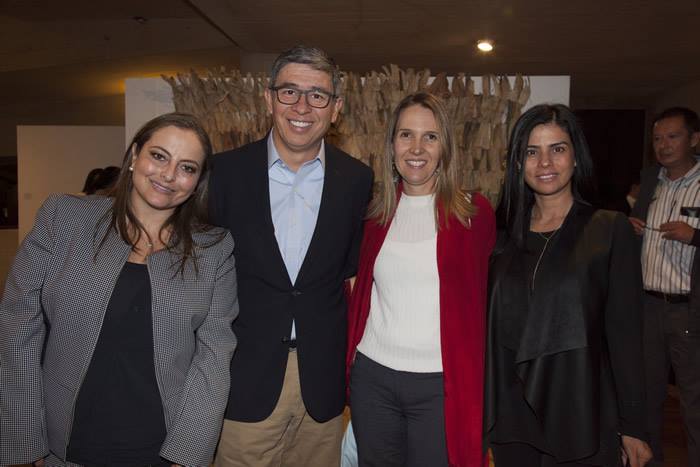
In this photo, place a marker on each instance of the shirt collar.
(686, 179)
(273, 156)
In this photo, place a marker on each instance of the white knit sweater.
(403, 328)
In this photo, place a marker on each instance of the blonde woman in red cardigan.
(417, 312)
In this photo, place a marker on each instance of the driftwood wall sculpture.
(231, 107)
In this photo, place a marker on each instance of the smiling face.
(549, 161)
(417, 150)
(165, 171)
(299, 128)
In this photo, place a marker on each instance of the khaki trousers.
(289, 437)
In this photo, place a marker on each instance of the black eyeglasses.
(314, 97)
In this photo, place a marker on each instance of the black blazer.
(239, 200)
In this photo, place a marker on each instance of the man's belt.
(669, 297)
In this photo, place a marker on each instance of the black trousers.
(667, 341)
(397, 416)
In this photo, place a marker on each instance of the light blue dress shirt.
(295, 198)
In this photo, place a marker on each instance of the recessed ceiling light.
(485, 45)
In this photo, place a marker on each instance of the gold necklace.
(546, 237)
(544, 248)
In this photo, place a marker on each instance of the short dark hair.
(312, 56)
(690, 117)
(516, 197)
(92, 177)
(106, 179)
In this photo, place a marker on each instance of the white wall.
(146, 98)
(549, 90)
(56, 159)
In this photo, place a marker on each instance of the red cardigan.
(462, 260)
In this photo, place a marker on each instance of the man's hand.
(676, 230)
(636, 451)
(38, 463)
(638, 225)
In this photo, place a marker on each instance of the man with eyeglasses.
(667, 216)
(295, 207)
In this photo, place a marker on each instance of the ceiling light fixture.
(485, 45)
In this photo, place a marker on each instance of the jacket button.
(296, 293)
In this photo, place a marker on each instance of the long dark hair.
(187, 218)
(516, 197)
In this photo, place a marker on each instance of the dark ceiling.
(619, 53)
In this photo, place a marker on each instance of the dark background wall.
(616, 139)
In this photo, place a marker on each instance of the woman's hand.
(635, 451)
(38, 462)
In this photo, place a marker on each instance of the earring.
(131, 168)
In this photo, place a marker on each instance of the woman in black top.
(563, 378)
(115, 324)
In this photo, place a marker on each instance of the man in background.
(667, 216)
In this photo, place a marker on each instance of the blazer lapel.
(100, 281)
(332, 189)
(259, 189)
(109, 260)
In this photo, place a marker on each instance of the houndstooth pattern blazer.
(56, 295)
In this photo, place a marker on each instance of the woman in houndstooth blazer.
(86, 376)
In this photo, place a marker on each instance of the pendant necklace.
(546, 238)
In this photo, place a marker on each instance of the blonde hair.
(448, 192)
